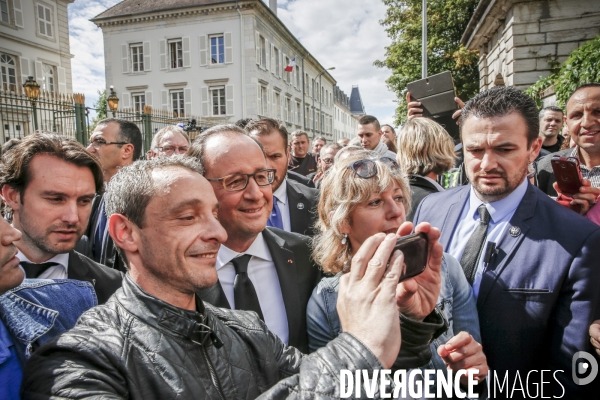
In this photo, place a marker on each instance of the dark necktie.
(32, 270)
(275, 217)
(99, 233)
(470, 256)
(243, 289)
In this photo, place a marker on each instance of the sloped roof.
(356, 104)
(134, 7)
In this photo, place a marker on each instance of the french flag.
(291, 65)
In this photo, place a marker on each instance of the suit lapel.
(77, 269)
(451, 220)
(285, 265)
(508, 243)
(298, 222)
(214, 295)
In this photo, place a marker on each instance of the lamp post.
(113, 101)
(424, 42)
(320, 100)
(32, 91)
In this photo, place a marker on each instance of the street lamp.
(113, 101)
(320, 101)
(32, 91)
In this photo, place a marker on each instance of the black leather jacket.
(139, 347)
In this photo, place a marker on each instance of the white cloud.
(344, 34)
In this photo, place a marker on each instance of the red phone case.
(567, 173)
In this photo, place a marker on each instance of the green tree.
(446, 22)
(101, 109)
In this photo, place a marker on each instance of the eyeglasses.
(327, 161)
(367, 168)
(97, 143)
(236, 182)
(169, 150)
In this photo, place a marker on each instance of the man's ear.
(536, 146)
(127, 151)
(12, 197)
(122, 231)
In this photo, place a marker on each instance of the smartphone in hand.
(567, 173)
(415, 248)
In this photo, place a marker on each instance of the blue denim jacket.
(40, 309)
(456, 301)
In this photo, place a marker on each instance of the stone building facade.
(520, 41)
(344, 123)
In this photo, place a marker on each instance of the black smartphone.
(415, 248)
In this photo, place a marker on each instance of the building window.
(139, 101)
(137, 57)
(217, 95)
(8, 73)
(277, 102)
(298, 114)
(44, 20)
(263, 97)
(306, 81)
(263, 53)
(287, 75)
(298, 76)
(289, 116)
(217, 49)
(277, 66)
(177, 103)
(48, 79)
(4, 16)
(175, 53)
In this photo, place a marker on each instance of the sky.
(344, 34)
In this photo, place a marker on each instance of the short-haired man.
(294, 204)
(155, 339)
(318, 143)
(117, 143)
(343, 141)
(551, 121)
(301, 160)
(280, 271)
(369, 132)
(326, 160)
(532, 263)
(583, 121)
(389, 132)
(168, 141)
(49, 182)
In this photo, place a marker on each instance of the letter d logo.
(583, 367)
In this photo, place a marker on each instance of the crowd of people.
(246, 263)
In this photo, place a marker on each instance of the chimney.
(273, 6)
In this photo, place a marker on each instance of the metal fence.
(68, 115)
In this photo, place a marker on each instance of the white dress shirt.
(501, 212)
(262, 273)
(59, 271)
(282, 202)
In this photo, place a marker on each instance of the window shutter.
(39, 75)
(18, 10)
(147, 59)
(125, 58)
(257, 42)
(205, 105)
(280, 72)
(273, 66)
(202, 47)
(164, 99)
(125, 101)
(267, 55)
(187, 99)
(62, 80)
(229, 99)
(148, 98)
(228, 48)
(258, 100)
(163, 54)
(24, 69)
(187, 56)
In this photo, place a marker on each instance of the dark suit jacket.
(305, 180)
(539, 294)
(298, 275)
(420, 188)
(106, 281)
(302, 205)
(545, 175)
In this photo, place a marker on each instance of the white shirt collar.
(281, 193)
(498, 209)
(62, 259)
(258, 248)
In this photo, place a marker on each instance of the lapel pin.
(290, 261)
(514, 231)
(300, 206)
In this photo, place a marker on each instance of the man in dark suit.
(49, 182)
(117, 143)
(261, 269)
(294, 204)
(533, 264)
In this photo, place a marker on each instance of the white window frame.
(263, 51)
(4, 12)
(175, 45)
(221, 106)
(221, 46)
(289, 111)
(299, 114)
(136, 50)
(277, 62)
(138, 101)
(264, 96)
(277, 102)
(5, 72)
(177, 96)
(48, 81)
(43, 21)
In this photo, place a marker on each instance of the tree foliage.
(101, 107)
(446, 22)
(582, 66)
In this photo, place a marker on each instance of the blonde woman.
(425, 150)
(364, 195)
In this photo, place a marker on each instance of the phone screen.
(415, 248)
